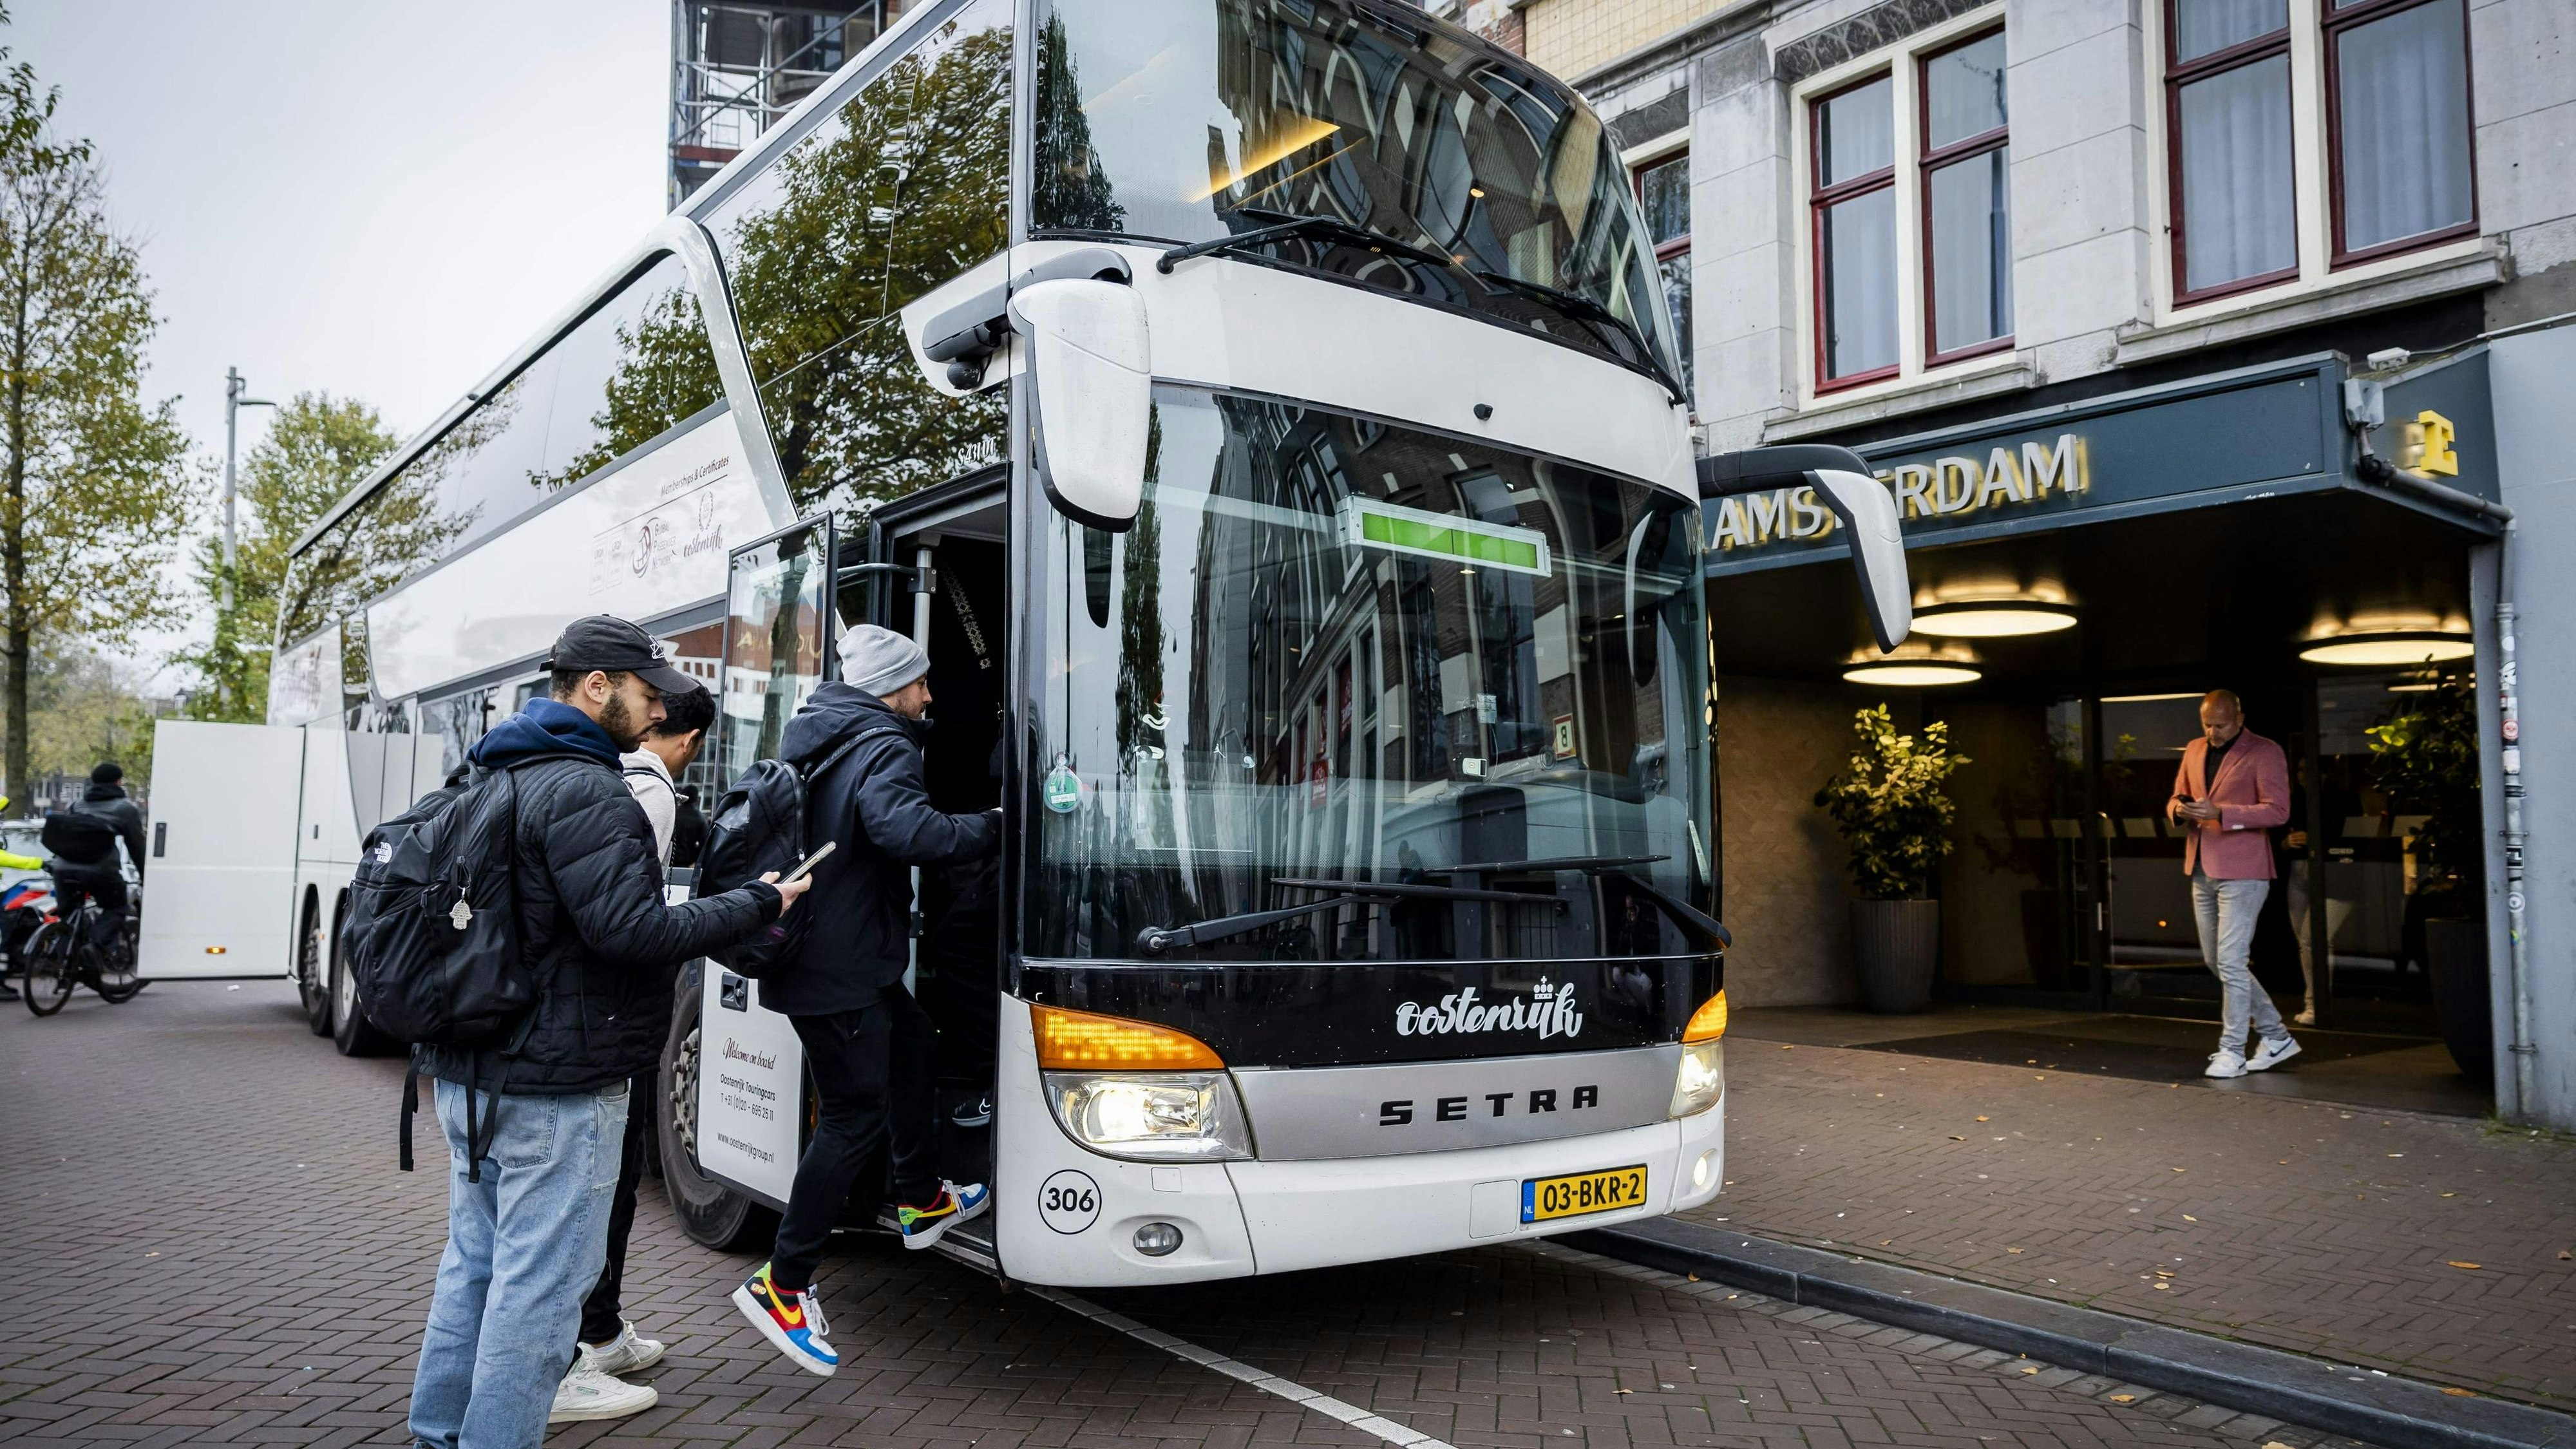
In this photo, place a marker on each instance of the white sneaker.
(627, 1353)
(2270, 1054)
(2225, 1063)
(586, 1394)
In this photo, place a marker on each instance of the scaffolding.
(736, 68)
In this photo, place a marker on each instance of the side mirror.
(1868, 512)
(1091, 371)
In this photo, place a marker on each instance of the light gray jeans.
(2226, 910)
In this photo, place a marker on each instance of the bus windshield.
(1192, 120)
(1455, 699)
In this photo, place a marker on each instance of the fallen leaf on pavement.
(2164, 1272)
(2458, 1264)
(2032, 1369)
(2566, 1256)
(2012, 1250)
(1981, 1119)
(2450, 1194)
(2124, 1398)
(2164, 1287)
(1958, 1139)
(2182, 1169)
(2461, 1393)
(2186, 1217)
(1623, 1391)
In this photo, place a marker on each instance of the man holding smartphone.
(858, 743)
(2231, 788)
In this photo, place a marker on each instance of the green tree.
(904, 190)
(1888, 807)
(94, 481)
(318, 449)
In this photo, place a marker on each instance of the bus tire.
(351, 1032)
(312, 963)
(711, 1213)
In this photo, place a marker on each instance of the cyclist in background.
(100, 879)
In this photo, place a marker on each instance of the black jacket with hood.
(111, 804)
(872, 802)
(592, 917)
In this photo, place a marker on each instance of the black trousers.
(872, 1072)
(603, 1316)
(104, 884)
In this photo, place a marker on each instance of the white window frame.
(1902, 62)
(2308, 190)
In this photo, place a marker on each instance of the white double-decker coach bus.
(1266, 413)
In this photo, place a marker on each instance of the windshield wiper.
(1591, 311)
(1673, 906)
(1288, 224)
(1163, 940)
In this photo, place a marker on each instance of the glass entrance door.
(777, 635)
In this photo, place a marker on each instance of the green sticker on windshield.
(1062, 790)
(1468, 541)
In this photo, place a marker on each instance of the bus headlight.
(1701, 1079)
(1156, 1116)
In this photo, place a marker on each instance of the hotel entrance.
(2065, 637)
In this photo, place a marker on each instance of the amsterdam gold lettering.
(1957, 484)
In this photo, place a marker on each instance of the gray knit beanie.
(880, 661)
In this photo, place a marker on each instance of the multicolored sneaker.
(923, 1226)
(791, 1321)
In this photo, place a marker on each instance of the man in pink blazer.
(2233, 785)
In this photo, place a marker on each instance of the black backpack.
(431, 933)
(79, 838)
(758, 827)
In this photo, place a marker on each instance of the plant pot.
(1896, 947)
(2455, 956)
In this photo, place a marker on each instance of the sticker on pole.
(1062, 790)
(1069, 1201)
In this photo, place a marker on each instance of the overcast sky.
(371, 198)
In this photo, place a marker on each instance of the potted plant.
(1888, 808)
(2425, 756)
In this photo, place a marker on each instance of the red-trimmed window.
(2227, 120)
(2397, 125)
(1852, 191)
(1966, 149)
(1663, 195)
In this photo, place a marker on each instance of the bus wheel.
(311, 962)
(351, 1032)
(710, 1212)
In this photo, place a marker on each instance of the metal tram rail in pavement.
(1267, 417)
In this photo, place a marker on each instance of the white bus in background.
(1265, 414)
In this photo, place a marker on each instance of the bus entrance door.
(951, 594)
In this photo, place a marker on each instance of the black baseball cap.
(604, 641)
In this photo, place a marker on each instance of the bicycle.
(64, 953)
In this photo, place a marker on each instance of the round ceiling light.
(1912, 675)
(1914, 666)
(2000, 619)
(2389, 649)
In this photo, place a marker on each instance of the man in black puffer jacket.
(526, 1241)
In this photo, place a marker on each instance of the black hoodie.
(873, 804)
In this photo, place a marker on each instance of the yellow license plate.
(1578, 1193)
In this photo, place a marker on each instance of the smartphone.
(811, 861)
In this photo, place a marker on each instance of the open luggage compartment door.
(219, 872)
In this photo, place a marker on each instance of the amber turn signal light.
(1078, 1041)
(1709, 1022)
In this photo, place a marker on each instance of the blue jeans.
(2226, 911)
(523, 1247)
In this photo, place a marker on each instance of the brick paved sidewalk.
(2432, 1247)
(208, 1244)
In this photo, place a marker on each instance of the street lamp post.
(234, 402)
